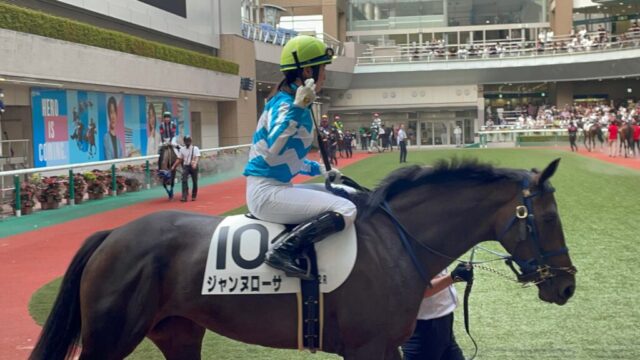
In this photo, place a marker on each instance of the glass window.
(370, 15)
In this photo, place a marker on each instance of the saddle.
(235, 267)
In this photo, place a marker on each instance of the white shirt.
(401, 135)
(187, 155)
(439, 304)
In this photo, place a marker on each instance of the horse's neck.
(451, 218)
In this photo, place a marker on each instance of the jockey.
(282, 140)
(167, 136)
(338, 124)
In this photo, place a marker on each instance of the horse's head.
(533, 236)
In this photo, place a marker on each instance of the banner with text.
(71, 127)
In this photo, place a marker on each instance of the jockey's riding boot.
(284, 253)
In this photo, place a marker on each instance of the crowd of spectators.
(546, 43)
(549, 117)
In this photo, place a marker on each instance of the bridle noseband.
(536, 269)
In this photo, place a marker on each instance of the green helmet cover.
(304, 51)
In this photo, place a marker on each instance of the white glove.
(334, 176)
(306, 94)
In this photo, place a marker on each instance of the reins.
(533, 271)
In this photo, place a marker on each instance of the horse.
(167, 174)
(333, 146)
(591, 132)
(145, 278)
(626, 139)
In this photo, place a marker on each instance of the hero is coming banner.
(71, 127)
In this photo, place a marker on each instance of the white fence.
(210, 159)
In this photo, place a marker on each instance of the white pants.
(285, 203)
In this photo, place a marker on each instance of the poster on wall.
(71, 127)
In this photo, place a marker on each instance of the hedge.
(38, 23)
(544, 138)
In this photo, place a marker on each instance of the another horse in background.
(626, 139)
(144, 279)
(591, 131)
(166, 174)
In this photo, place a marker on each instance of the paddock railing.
(524, 137)
(138, 169)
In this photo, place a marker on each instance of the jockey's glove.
(305, 95)
(462, 272)
(334, 176)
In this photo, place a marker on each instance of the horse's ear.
(548, 172)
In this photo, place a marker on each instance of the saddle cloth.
(236, 254)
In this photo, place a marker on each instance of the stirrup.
(280, 265)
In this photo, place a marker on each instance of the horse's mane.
(444, 171)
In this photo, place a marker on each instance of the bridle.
(535, 270)
(532, 271)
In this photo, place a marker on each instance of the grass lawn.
(598, 203)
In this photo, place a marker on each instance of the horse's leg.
(585, 142)
(110, 330)
(118, 304)
(178, 338)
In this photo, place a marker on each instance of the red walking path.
(31, 259)
(630, 162)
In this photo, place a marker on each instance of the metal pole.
(114, 187)
(72, 190)
(147, 172)
(16, 186)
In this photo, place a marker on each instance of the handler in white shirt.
(188, 156)
(433, 337)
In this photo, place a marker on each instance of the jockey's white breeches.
(286, 203)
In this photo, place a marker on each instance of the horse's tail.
(61, 332)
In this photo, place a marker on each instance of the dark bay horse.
(167, 160)
(626, 139)
(144, 278)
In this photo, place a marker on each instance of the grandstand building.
(431, 65)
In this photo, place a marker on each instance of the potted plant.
(27, 193)
(49, 193)
(79, 188)
(133, 184)
(120, 184)
(95, 184)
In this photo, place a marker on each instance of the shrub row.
(544, 138)
(38, 23)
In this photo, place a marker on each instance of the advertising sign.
(71, 127)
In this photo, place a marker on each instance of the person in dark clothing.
(347, 140)
(433, 337)
(573, 134)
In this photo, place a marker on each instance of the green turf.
(598, 203)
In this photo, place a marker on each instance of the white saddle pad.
(235, 261)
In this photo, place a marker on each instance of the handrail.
(520, 40)
(255, 32)
(14, 141)
(519, 131)
(406, 54)
(105, 162)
